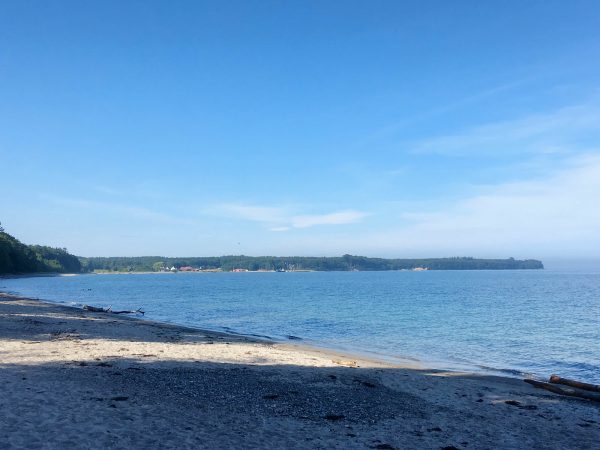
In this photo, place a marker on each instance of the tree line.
(341, 263)
(16, 257)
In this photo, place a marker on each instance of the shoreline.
(10, 276)
(399, 361)
(300, 344)
(74, 378)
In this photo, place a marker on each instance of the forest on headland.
(296, 263)
(18, 258)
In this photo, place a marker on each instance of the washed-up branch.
(109, 310)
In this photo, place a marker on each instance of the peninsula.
(16, 257)
(300, 263)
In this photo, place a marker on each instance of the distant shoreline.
(39, 274)
(243, 263)
(348, 263)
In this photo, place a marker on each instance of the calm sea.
(537, 322)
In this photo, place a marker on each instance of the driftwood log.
(576, 384)
(571, 392)
(96, 309)
(109, 310)
(137, 311)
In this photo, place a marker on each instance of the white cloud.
(282, 219)
(336, 218)
(552, 132)
(279, 229)
(558, 216)
(394, 128)
(132, 212)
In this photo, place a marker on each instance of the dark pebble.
(334, 417)
(519, 405)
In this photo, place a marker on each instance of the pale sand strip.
(74, 379)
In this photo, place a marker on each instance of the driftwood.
(96, 309)
(576, 384)
(109, 310)
(571, 392)
(137, 311)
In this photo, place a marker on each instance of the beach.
(76, 379)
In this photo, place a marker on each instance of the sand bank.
(74, 379)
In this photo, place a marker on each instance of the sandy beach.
(75, 379)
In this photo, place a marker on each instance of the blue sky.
(396, 129)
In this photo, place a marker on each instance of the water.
(537, 322)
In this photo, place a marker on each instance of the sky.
(377, 128)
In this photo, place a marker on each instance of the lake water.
(537, 322)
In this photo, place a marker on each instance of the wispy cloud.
(557, 131)
(279, 229)
(283, 218)
(336, 218)
(253, 213)
(478, 97)
(556, 215)
(129, 211)
(143, 190)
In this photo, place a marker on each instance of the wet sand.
(75, 379)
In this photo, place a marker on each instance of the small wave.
(14, 293)
(511, 372)
(263, 336)
(237, 333)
